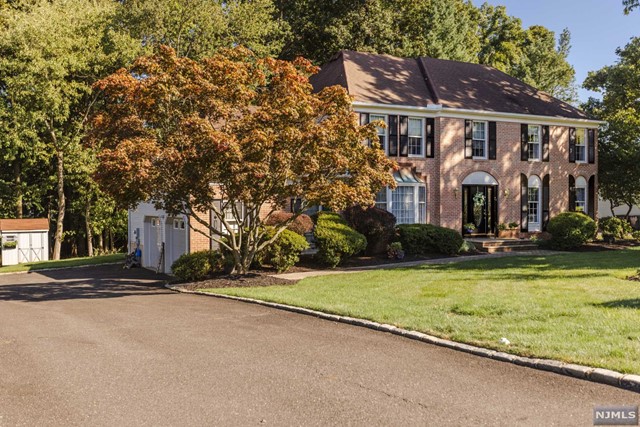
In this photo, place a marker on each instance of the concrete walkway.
(313, 273)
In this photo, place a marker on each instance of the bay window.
(407, 202)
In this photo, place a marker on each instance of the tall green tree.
(629, 5)
(198, 28)
(51, 53)
(501, 37)
(619, 141)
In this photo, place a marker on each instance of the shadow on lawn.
(82, 283)
(621, 303)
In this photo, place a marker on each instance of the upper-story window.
(581, 145)
(382, 131)
(534, 142)
(416, 137)
(479, 140)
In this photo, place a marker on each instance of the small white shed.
(24, 240)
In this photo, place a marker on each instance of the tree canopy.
(236, 134)
(619, 142)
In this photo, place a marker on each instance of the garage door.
(176, 241)
(152, 242)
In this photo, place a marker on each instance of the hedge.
(570, 230)
(424, 239)
(198, 265)
(377, 225)
(336, 241)
(284, 252)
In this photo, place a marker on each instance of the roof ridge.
(340, 56)
(427, 79)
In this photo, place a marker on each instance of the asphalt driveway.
(106, 346)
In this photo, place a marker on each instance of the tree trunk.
(17, 180)
(628, 212)
(57, 242)
(87, 222)
(101, 242)
(111, 245)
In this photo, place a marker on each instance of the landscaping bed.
(571, 307)
(253, 279)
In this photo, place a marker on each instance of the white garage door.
(176, 241)
(152, 242)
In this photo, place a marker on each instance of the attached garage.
(24, 240)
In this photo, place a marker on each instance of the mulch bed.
(602, 246)
(253, 279)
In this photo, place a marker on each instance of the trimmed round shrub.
(377, 225)
(284, 252)
(198, 265)
(570, 230)
(424, 239)
(336, 241)
(301, 225)
(614, 228)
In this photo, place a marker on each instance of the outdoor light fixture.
(455, 193)
(506, 193)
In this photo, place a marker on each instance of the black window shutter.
(545, 201)
(492, 140)
(591, 138)
(524, 142)
(524, 203)
(545, 143)
(468, 139)
(404, 136)
(430, 135)
(364, 119)
(592, 197)
(572, 193)
(572, 145)
(393, 135)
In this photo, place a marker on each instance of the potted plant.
(508, 231)
(469, 228)
(9, 245)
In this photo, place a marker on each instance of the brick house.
(467, 135)
(461, 133)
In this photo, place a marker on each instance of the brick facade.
(444, 174)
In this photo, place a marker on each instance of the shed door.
(24, 247)
(153, 239)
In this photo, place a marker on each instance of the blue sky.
(597, 28)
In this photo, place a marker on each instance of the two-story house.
(474, 145)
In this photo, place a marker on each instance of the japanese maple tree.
(235, 134)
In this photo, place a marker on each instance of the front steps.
(503, 245)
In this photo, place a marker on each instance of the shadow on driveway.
(109, 281)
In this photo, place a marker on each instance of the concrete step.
(515, 248)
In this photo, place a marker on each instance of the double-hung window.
(178, 224)
(408, 203)
(382, 131)
(581, 194)
(581, 145)
(416, 137)
(479, 140)
(534, 142)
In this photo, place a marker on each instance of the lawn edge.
(599, 375)
(59, 268)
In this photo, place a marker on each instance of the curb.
(604, 376)
(59, 268)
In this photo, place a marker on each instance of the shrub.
(636, 235)
(198, 265)
(377, 225)
(285, 251)
(423, 239)
(395, 251)
(614, 227)
(570, 230)
(467, 247)
(336, 241)
(301, 225)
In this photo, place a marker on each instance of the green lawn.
(572, 307)
(64, 263)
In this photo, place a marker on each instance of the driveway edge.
(598, 375)
(37, 270)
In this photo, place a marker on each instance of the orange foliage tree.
(236, 135)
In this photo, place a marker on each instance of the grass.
(572, 307)
(64, 263)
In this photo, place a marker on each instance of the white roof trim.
(437, 110)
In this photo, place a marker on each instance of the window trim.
(385, 118)
(423, 149)
(539, 143)
(178, 224)
(416, 201)
(585, 138)
(485, 148)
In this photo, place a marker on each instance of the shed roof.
(26, 224)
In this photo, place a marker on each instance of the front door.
(480, 208)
